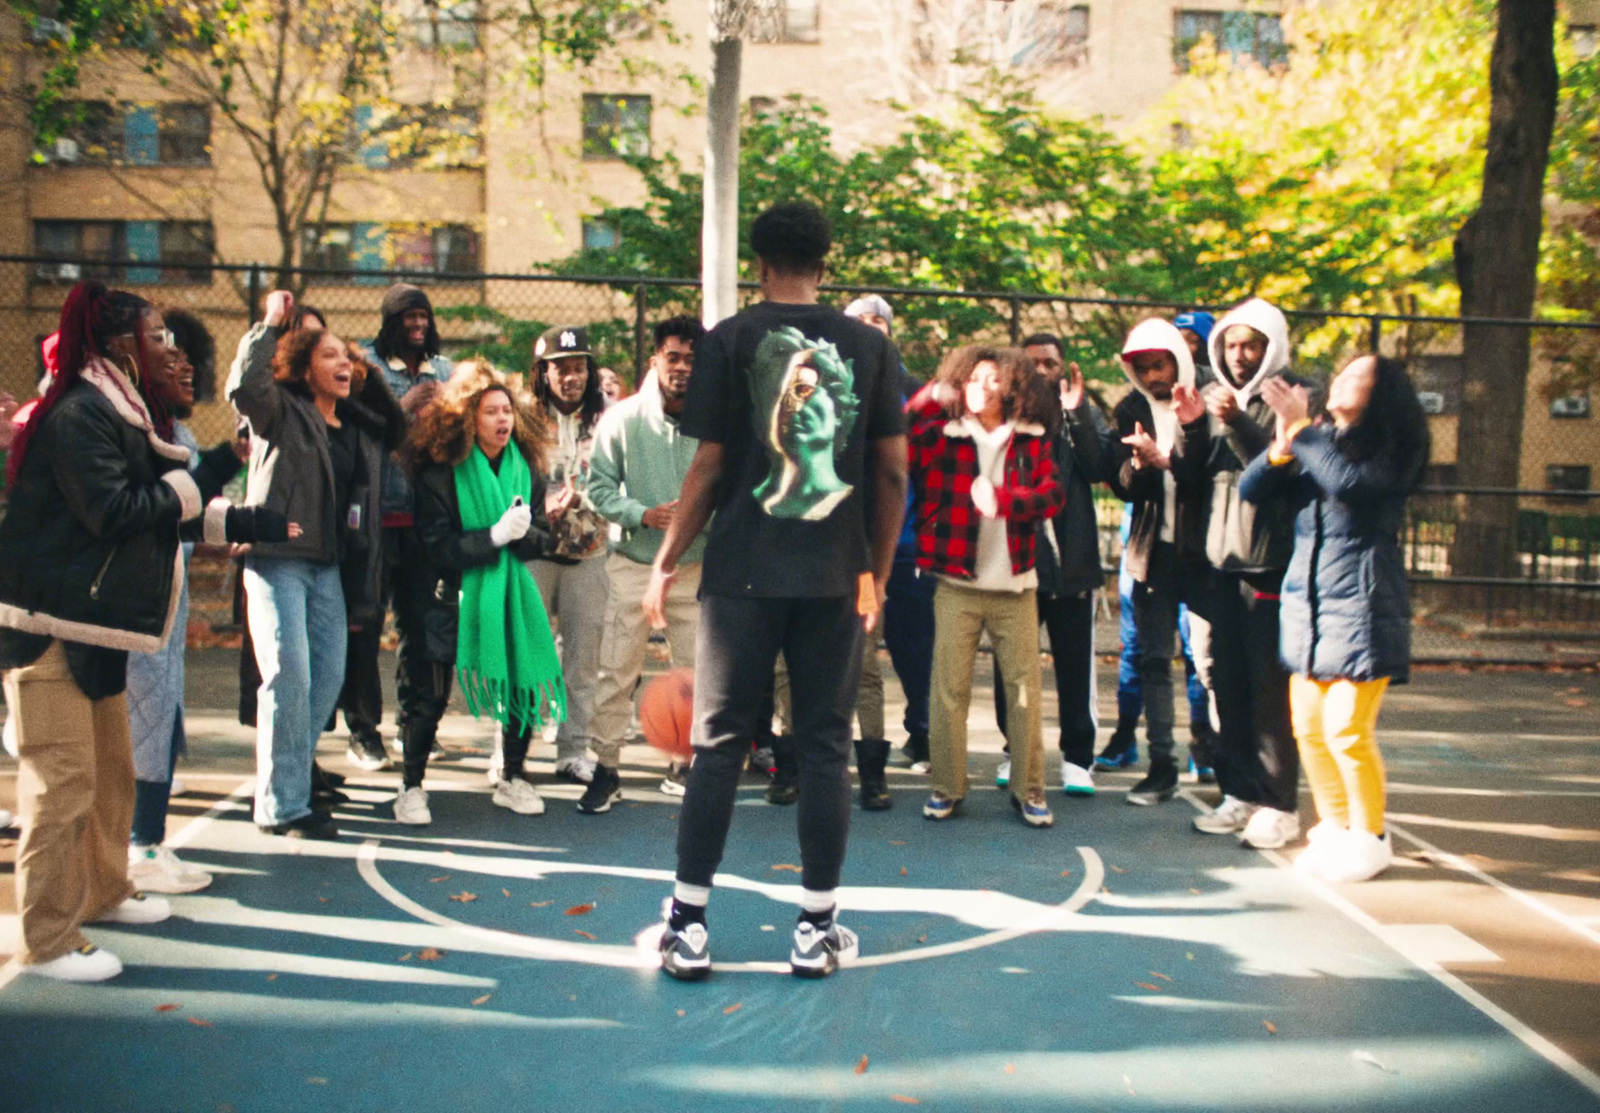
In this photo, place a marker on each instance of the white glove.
(983, 497)
(512, 526)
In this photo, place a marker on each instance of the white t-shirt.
(992, 571)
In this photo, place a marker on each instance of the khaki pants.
(960, 615)
(623, 638)
(75, 794)
(869, 696)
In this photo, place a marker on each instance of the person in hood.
(406, 352)
(1249, 547)
(1158, 468)
(1196, 329)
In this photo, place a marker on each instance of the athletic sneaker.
(519, 796)
(1270, 829)
(1076, 780)
(315, 825)
(5, 819)
(685, 954)
(368, 754)
(817, 952)
(578, 770)
(86, 964)
(1352, 856)
(940, 806)
(916, 752)
(1202, 774)
(763, 761)
(603, 791)
(676, 782)
(1228, 818)
(177, 787)
(1319, 840)
(137, 909)
(156, 869)
(1122, 752)
(1034, 811)
(1002, 775)
(411, 807)
(1158, 786)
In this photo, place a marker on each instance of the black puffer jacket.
(448, 551)
(1083, 450)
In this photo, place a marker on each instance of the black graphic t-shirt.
(795, 394)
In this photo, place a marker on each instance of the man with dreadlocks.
(406, 350)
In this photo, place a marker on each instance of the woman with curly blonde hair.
(476, 461)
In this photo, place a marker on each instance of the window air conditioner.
(1432, 401)
(1573, 405)
(66, 150)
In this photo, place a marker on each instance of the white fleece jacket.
(1157, 335)
(1266, 319)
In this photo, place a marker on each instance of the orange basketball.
(666, 712)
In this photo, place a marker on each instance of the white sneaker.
(179, 787)
(1270, 829)
(87, 964)
(518, 795)
(156, 869)
(1002, 775)
(5, 818)
(1230, 817)
(1076, 780)
(676, 782)
(921, 767)
(579, 769)
(411, 807)
(1352, 856)
(138, 909)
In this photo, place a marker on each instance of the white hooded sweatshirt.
(1269, 321)
(1157, 335)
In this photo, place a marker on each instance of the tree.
(1497, 268)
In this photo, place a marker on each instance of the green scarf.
(509, 670)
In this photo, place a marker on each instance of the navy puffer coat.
(1346, 613)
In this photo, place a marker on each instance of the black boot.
(785, 786)
(872, 755)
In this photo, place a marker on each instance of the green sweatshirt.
(639, 461)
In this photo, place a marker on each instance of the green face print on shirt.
(805, 408)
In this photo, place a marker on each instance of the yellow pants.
(1335, 723)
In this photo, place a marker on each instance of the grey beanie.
(870, 303)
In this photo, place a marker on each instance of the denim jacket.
(396, 498)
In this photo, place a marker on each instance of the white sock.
(816, 902)
(697, 895)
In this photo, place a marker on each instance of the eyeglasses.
(165, 337)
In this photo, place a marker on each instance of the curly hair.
(292, 362)
(446, 431)
(1016, 370)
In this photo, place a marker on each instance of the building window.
(791, 21)
(442, 24)
(1585, 39)
(446, 250)
(1566, 477)
(94, 137)
(600, 235)
(1245, 36)
(1058, 36)
(134, 252)
(184, 134)
(615, 126)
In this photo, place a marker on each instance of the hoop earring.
(131, 370)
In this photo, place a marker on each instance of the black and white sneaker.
(819, 951)
(368, 754)
(605, 789)
(686, 953)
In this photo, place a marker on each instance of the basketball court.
(1116, 961)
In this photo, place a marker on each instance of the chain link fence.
(1547, 527)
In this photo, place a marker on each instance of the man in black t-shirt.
(803, 458)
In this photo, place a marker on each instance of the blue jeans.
(1130, 690)
(908, 633)
(297, 621)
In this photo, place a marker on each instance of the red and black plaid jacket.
(944, 462)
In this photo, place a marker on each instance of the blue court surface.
(1117, 961)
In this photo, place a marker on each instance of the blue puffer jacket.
(1345, 614)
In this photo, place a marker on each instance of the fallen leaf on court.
(786, 866)
(1011, 1068)
(198, 1023)
(406, 957)
(1195, 891)
(572, 997)
(897, 842)
(1371, 1060)
(1189, 955)
(922, 939)
(464, 897)
(1159, 974)
(441, 877)
(903, 1100)
(733, 1008)
(585, 934)
(167, 1008)
(430, 954)
(484, 1000)
(1147, 985)
(902, 871)
(1577, 703)
(1118, 869)
(861, 1067)
(682, 1013)
(272, 977)
(540, 903)
(505, 892)
(1066, 873)
(580, 910)
(324, 900)
(1574, 691)
(317, 1081)
(1269, 1026)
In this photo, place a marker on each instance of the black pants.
(1256, 757)
(1168, 582)
(362, 696)
(1069, 619)
(738, 647)
(424, 690)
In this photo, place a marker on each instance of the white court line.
(1455, 862)
(13, 969)
(1523, 1032)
